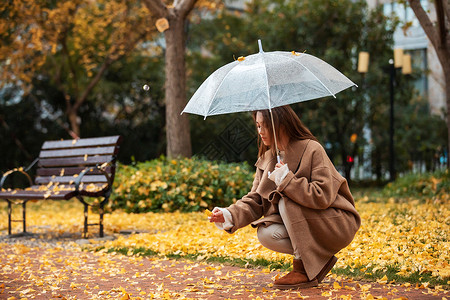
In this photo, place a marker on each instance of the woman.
(300, 205)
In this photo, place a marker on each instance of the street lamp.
(400, 61)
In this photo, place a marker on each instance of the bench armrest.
(20, 170)
(99, 167)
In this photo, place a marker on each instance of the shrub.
(422, 186)
(179, 185)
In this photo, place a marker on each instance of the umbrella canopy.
(266, 80)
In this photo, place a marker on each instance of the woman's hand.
(279, 165)
(217, 216)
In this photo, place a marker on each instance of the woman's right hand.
(217, 216)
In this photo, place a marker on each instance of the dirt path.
(61, 272)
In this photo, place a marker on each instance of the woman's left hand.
(217, 216)
(279, 165)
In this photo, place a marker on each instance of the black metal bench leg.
(86, 211)
(101, 211)
(24, 213)
(9, 216)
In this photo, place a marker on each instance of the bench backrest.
(60, 160)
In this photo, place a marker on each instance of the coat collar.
(292, 157)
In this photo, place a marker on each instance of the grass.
(372, 273)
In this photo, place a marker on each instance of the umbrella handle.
(275, 137)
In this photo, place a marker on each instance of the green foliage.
(244, 263)
(420, 186)
(335, 31)
(391, 274)
(179, 185)
(23, 129)
(419, 135)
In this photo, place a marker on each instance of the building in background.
(413, 40)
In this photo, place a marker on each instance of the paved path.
(30, 269)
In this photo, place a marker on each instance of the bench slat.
(78, 152)
(36, 195)
(70, 179)
(74, 161)
(62, 192)
(85, 142)
(69, 171)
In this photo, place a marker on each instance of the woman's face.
(262, 129)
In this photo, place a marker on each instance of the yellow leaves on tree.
(87, 32)
(72, 42)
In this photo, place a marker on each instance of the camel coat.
(319, 204)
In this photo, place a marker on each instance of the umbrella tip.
(260, 46)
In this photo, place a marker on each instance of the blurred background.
(88, 68)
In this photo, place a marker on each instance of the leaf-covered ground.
(401, 248)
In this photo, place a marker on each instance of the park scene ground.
(400, 252)
(173, 84)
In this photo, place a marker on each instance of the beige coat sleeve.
(249, 208)
(318, 191)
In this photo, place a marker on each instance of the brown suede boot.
(296, 279)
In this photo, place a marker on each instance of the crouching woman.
(301, 205)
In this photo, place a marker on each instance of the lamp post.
(392, 173)
(400, 61)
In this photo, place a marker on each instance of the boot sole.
(302, 285)
(330, 264)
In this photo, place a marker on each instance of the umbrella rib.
(332, 94)
(215, 92)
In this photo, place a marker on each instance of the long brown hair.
(285, 120)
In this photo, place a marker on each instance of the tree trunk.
(177, 126)
(447, 91)
(72, 115)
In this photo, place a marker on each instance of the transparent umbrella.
(266, 80)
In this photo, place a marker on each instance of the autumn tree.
(439, 35)
(172, 20)
(72, 42)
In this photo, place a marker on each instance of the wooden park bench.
(67, 169)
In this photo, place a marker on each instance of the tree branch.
(427, 26)
(106, 63)
(446, 9)
(184, 7)
(441, 22)
(63, 41)
(157, 8)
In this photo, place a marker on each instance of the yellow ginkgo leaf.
(336, 285)
(383, 280)
(125, 297)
